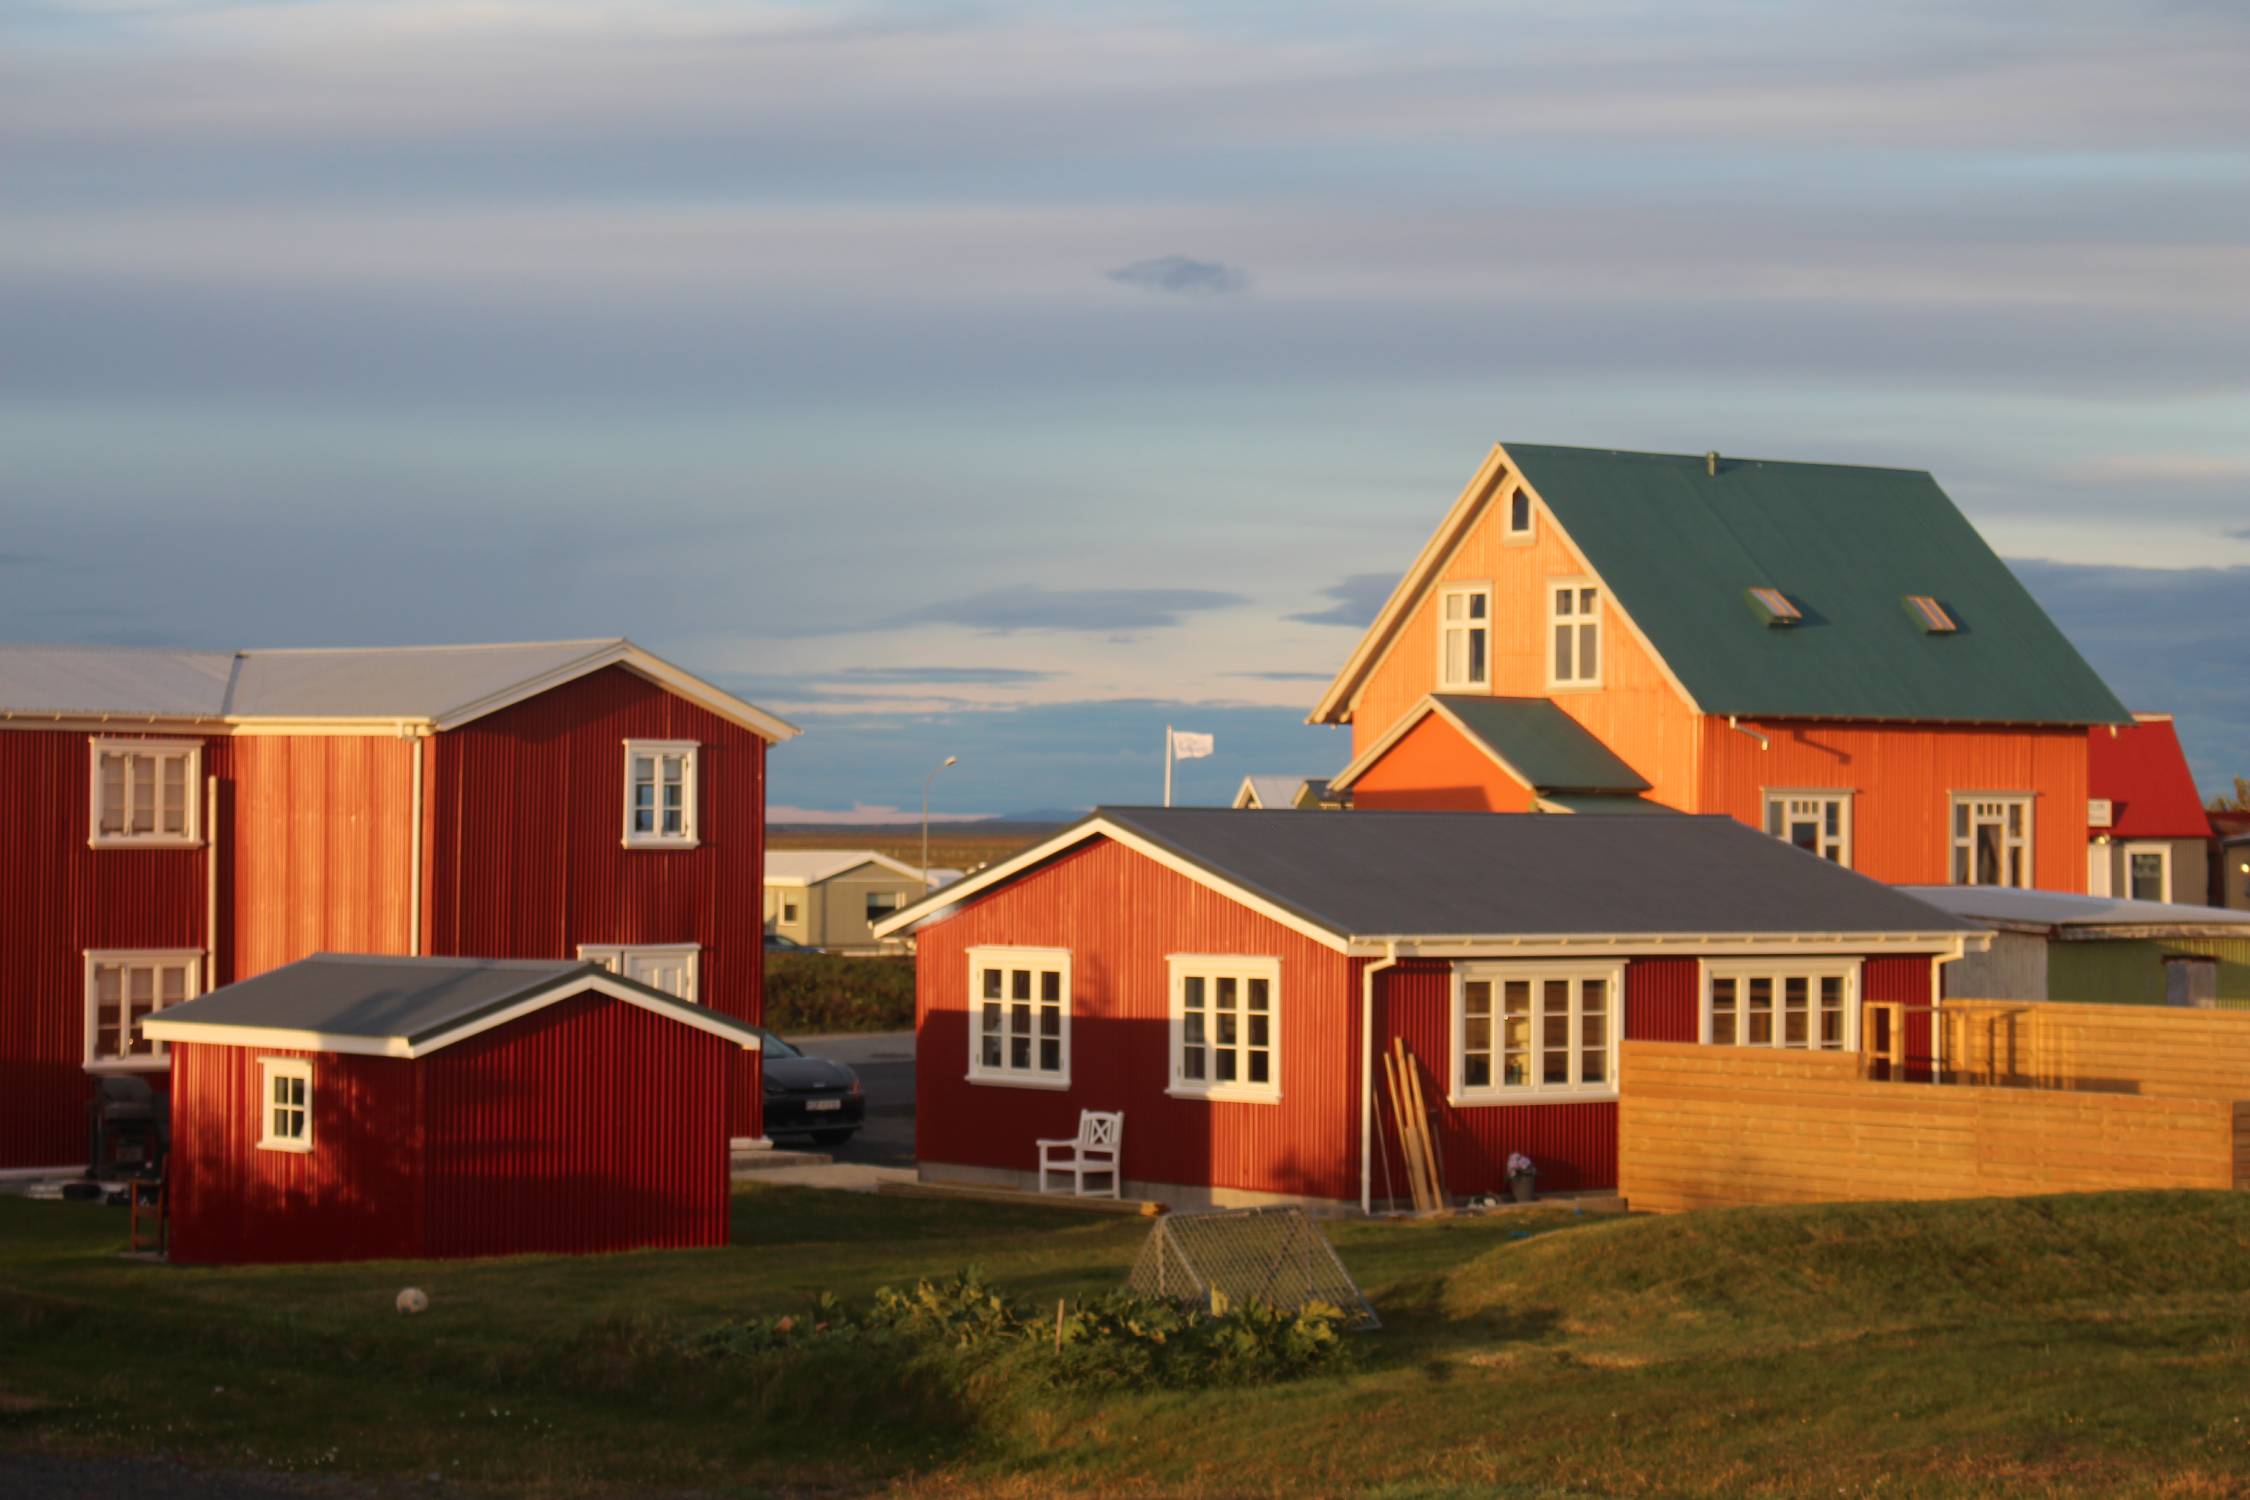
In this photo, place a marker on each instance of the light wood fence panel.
(2121, 1049)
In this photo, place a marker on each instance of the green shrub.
(813, 993)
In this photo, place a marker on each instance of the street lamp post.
(950, 760)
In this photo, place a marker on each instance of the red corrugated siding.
(59, 898)
(526, 853)
(591, 1125)
(1122, 914)
(355, 1196)
(1907, 979)
(1664, 1000)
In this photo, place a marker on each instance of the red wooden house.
(352, 1107)
(2150, 837)
(1828, 653)
(1225, 978)
(171, 821)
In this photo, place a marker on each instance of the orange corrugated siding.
(322, 832)
(1436, 768)
(1903, 776)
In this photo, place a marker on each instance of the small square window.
(285, 1110)
(660, 794)
(146, 794)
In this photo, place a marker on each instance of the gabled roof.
(2071, 917)
(1536, 743)
(1270, 793)
(812, 866)
(438, 686)
(2142, 772)
(1356, 881)
(388, 1006)
(1679, 539)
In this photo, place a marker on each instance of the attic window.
(1929, 615)
(1774, 606)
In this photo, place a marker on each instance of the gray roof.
(1441, 874)
(2065, 914)
(403, 1001)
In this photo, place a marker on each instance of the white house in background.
(830, 898)
(1284, 794)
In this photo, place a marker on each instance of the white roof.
(812, 866)
(2008, 906)
(443, 686)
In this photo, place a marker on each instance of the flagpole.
(1167, 765)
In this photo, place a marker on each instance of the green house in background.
(2050, 946)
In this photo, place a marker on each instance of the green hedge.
(813, 993)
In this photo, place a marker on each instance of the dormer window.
(660, 794)
(1929, 616)
(1464, 638)
(1774, 607)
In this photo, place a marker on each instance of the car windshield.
(777, 1046)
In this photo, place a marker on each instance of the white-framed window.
(1226, 1027)
(1815, 821)
(1530, 1031)
(1992, 838)
(660, 794)
(1812, 1006)
(285, 1086)
(1464, 637)
(1523, 517)
(881, 904)
(125, 988)
(145, 794)
(1019, 1017)
(2148, 872)
(673, 968)
(1574, 626)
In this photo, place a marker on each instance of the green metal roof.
(1678, 545)
(1548, 748)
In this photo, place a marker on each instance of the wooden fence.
(1702, 1126)
(2121, 1049)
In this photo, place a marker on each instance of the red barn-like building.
(2150, 838)
(353, 1107)
(171, 821)
(1218, 976)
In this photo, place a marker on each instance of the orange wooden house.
(1829, 653)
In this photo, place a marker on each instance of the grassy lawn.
(2041, 1346)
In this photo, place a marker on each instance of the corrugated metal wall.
(321, 848)
(59, 898)
(357, 1195)
(1905, 978)
(591, 1125)
(525, 846)
(1122, 914)
(1435, 768)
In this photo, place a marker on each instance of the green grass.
(2035, 1346)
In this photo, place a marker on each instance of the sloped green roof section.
(1678, 544)
(1608, 804)
(1548, 748)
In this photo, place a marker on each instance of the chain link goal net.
(1271, 1255)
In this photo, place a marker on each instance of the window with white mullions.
(2148, 872)
(660, 793)
(1992, 839)
(286, 1085)
(1574, 612)
(125, 989)
(1226, 1027)
(1464, 638)
(1525, 1030)
(1019, 1016)
(1817, 822)
(144, 793)
(1807, 1007)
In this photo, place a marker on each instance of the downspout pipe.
(1735, 724)
(414, 853)
(1367, 1074)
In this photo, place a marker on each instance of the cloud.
(1285, 676)
(961, 676)
(1183, 277)
(871, 814)
(1354, 601)
(2240, 533)
(1005, 611)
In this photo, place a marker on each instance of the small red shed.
(1229, 979)
(353, 1107)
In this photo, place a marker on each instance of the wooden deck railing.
(2153, 1051)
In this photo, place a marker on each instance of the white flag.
(1187, 746)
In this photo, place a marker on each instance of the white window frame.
(159, 1055)
(1448, 628)
(897, 900)
(1780, 969)
(688, 752)
(1537, 973)
(1036, 961)
(1510, 534)
(617, 957)
(1242, 968)
(1958, 844)
(271, 1069)
(160, 750)
(2163, 852)
(1841, 799)
(1578, 623)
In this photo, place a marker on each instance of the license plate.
(813, 1104)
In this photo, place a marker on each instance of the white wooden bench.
(1093, 1153)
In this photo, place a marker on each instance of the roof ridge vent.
(1711, 463)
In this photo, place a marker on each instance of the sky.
(1009, 382)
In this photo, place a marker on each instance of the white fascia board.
(1665, 945)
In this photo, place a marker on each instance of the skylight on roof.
(1774, 607)
(1929, 616)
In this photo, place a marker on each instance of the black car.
(810, 1095)
(776, 943)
